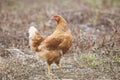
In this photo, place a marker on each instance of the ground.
(95, 51)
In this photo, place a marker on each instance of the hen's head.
(58, 18)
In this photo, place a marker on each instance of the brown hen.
(51, 48)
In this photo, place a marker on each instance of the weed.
(90, 59)
(94, 54)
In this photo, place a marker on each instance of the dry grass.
(94, 55)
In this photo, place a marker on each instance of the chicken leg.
(58, 64)
(49, 69)
(60, 67)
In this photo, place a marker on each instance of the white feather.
(32, 31)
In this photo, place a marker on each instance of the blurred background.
(95, 52)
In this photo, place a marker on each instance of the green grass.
(94, 2)
(99, 3)
(91, 59)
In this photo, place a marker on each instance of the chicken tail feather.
(32, 31)
(35, 38)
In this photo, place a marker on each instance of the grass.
(91, 60)
(99, 3)
(94, 54)
(117, 58)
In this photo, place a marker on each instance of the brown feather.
(52, 47)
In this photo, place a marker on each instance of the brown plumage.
(51, 48)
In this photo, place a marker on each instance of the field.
(95, 51)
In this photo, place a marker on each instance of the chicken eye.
(56, 17)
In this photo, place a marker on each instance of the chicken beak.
(52, 18)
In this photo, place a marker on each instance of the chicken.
(51, 48)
